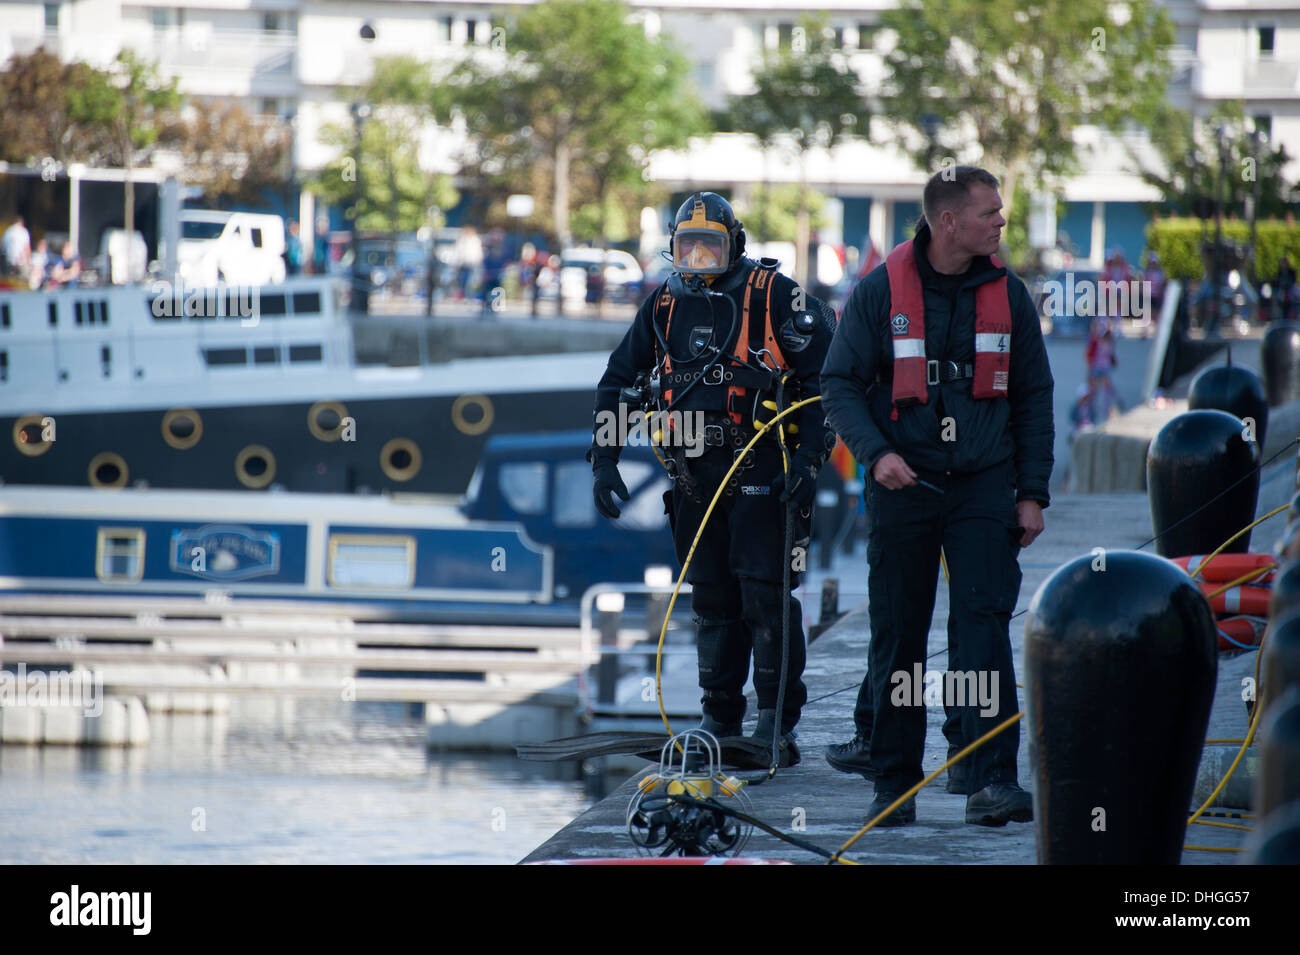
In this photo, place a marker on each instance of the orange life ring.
(1244, 599)
(1226, 567)
(1239, 633)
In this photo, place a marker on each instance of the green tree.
(144, 108)
(384, 184)
(779, 207)
(1006, 83)
(807, 96)
(1200, 169)
(53, 109)
(577, 90)
(234, 157)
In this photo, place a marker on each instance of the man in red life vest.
(938, 381)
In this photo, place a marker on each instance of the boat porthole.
(255, 466)
(325, 419)
(400, 458)
(29, 434)
(465, 426)
(182, 428)
(107, 469)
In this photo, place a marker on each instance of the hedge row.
(1180, 244)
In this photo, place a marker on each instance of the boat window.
(270, 305)
(306, 302)
(5, 317)
(52, 309)
(645, 511)
(119, 554)
(225, 356)
(371, 560)
(523, 485)
(4, 366)
(265, 355)
(305, 352)
(106, 360)
(572, 504)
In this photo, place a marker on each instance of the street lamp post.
(360, 292)
(1220, 138)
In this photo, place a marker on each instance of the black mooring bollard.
(1278, 783)
(1120, 668)
(1286, 591)
(1194, 458)
(1280, 667)
(1235, 390)
(1276, 841)
(1279, 361)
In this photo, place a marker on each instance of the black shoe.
(787, 750)
(997, 804)
(719, 729)
(899, 817)
(852, 757)
(957, 783)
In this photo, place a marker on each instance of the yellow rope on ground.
(1006, 724)
(1223, 825)
(1252, 524)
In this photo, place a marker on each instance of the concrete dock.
(814, 802)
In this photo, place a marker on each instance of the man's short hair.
(949, 188)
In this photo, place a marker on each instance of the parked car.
(240, 248)
(623, 275)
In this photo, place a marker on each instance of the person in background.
(595, 290)
(40, 263)
(1286, 295)
(15, 249)
(320, 252)
(1155, 274)
(293, 251)
(66, 267)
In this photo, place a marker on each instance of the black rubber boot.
(787, 749)
(723, 713)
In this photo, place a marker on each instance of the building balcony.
(230, 61)
(1252, 79)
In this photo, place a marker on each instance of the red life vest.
(907, 322)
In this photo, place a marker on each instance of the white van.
(239, 248)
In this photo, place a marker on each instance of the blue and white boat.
(236, 388)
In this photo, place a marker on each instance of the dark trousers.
(736, 579)
(974, 522)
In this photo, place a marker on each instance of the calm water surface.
(288, 782)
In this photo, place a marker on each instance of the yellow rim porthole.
(325, 420)
(400, 458)
(29, 434)
(463, 424)
(107, 470)
(182, 428)
(255, 466)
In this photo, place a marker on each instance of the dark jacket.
(987, 431)
(803, 353)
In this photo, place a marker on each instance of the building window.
(119, 554)
(1266, 39)
(1263, 125)
(442, 27)
(380, 561)
(161, 18)
(784, 34)
(52, 16)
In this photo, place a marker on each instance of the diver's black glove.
(606, 482)
(800, 487)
